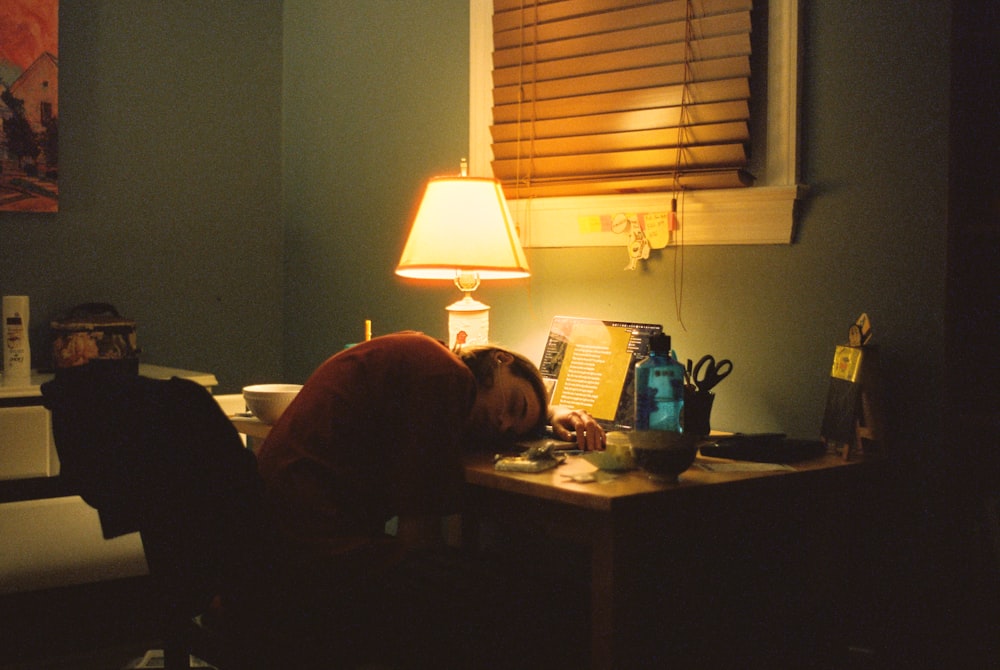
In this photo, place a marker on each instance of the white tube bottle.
(16, 349)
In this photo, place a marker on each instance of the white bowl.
(269, 401)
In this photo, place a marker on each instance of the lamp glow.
(463, 232)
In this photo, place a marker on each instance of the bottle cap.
(660, 344)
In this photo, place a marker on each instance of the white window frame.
(760, 214)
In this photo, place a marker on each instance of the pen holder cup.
(698, 412)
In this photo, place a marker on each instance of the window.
(761, 214)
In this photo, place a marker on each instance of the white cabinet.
(26, 446)
(54, 541)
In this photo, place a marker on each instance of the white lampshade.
(463, 232)
(463, 225)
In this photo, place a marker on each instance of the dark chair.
(161, 458)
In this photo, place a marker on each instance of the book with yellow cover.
(588, 364)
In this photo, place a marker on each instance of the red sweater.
(375, 432)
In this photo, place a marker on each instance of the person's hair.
(481, 359)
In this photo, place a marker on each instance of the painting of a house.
(29, 105)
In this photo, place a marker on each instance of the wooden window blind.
(595, 97)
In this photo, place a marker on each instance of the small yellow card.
(846, 363)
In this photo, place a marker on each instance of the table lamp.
(463, 232)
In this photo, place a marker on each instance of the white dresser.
(48, 539)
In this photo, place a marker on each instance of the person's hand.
(575, 425)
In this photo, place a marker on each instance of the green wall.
(170, 183)
(375, 103)
(239, 176)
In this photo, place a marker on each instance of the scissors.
(707, 372)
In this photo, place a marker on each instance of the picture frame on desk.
(852, 417)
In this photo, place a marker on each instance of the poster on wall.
(29, 105)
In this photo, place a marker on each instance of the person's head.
(511, 400)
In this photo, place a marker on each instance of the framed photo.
(29, 105)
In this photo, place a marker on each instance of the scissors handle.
(723, 368)
(708, 373)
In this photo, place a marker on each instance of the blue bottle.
(659, 388)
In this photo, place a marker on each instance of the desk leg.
(602, 599)
(607, 597)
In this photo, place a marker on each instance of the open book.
(588, 364)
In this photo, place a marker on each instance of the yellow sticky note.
(657, 229)
(588, 223)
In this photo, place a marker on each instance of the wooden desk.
(706, 572)
(676, 566)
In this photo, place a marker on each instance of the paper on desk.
(743, 466)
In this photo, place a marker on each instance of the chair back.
(160, 457)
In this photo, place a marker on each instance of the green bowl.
(608, 461)
(617, 453)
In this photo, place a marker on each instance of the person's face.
(509, 409)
